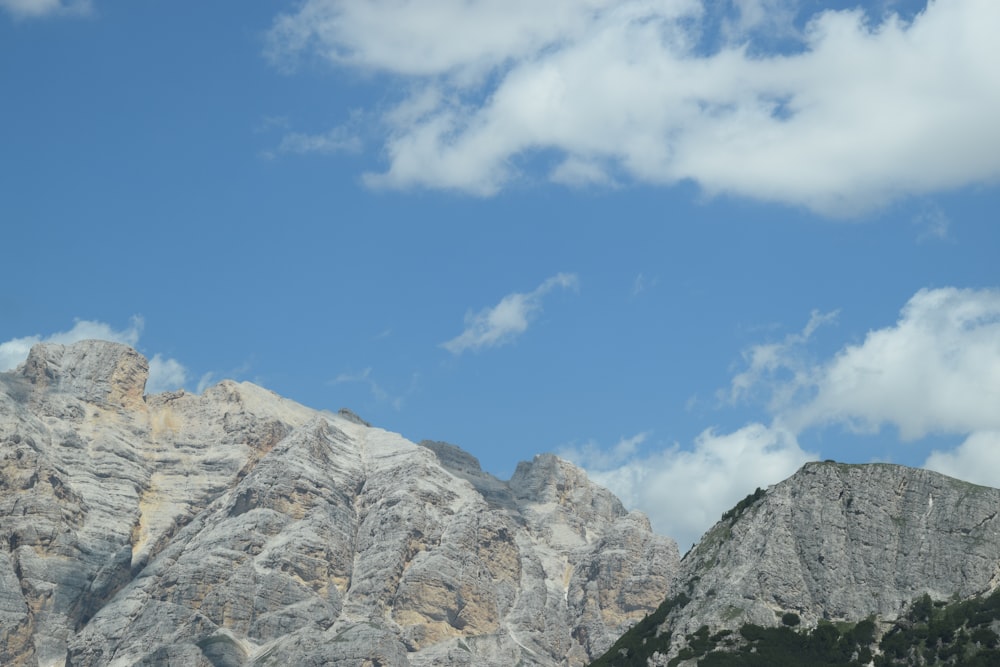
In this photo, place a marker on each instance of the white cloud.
(863, 111)
(779, 367)
(976, 460)
(685, 491)
(434, 37)
(642, 283)
(579, 172)
(41, 8)
(508, 319)
(337, 140)
(13, 352)
(164, 374)
(204, 382)
(775, 18)
(594, 457)
(933, 223)
(316, 143)
(378, 391)
(937, 370)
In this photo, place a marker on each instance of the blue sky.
(687, 245)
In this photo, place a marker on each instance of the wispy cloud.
(934, 224)
(591, 455)
(164, 374)
(30, 9)
(267, 123)
(507, 320)
(204, 382)
(337, 140)
(344, 138)
(377, 390)
(772, 18)
(779, 368)
(239, 372)
(642, 283)
(754, 98)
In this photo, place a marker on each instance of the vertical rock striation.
(841, 542)
(238, 528)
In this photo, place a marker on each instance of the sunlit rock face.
(237, 528)
(841, 542)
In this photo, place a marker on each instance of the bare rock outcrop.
(841, 542)
(239, 528)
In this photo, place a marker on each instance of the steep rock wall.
(237, 527)
(841, 542)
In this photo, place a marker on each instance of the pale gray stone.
(239, 528)
(842, 542)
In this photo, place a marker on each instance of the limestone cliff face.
(840, 541)
(238, 528)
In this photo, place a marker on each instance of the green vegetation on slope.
(931, 634)
(743, 505)
(641, 641)
(935, 633)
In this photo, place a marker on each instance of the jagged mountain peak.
(237, 527)
(550, 479)
(93, 370)
(453, 457)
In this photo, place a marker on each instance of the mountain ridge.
(237, 527)
(832, 543)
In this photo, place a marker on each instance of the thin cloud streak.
(934, 224)
(768, 361)
(36, 9)
(337, 140)
(377, 390)
(504, 322)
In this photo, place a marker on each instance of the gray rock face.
(842, 541)
(238, 528)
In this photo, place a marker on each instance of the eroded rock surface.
(238, 528)
(842, 542)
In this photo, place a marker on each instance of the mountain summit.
(835, 544)
(238, 528)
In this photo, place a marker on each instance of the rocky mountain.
(239, 528)
(834, 542)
